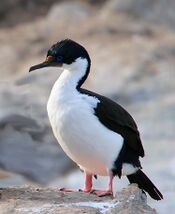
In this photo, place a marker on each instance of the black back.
(116, 118)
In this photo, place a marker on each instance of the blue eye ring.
(59, 58)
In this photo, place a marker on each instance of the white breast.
(79, 132)
(81, 135)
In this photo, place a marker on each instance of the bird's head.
(63, 54)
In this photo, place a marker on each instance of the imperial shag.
(99, 135)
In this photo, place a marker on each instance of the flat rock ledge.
(28, 200)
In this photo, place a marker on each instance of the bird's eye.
(59, 58)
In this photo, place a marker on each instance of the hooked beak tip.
(30, 69)
(38, 66)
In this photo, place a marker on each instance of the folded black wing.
(116, 118)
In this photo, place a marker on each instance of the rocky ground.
(50, 201)
(132, 46)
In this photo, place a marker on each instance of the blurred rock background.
(132, 47)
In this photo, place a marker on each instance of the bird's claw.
(102, 193)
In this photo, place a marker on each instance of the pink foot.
(85, 190)
(102, 193)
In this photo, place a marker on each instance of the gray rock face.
(159, 11)
(43, 201)
(22, 10)
(28, 147)
(132, 7)
(40, 162)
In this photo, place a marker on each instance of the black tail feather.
(144, 183)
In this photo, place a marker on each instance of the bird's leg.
(109, 191)
(87, 182)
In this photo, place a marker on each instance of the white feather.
(79, 132)
(128, 169)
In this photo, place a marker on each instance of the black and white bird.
(99, 135)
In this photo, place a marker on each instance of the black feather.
(69, 50)
(116, 118)
(146, 184)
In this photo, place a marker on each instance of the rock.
(67, 12)
(8, 52)
(63, 13)
(22, 137)
(23, 10)
(29, 200)
(40, 162)
(19, 122)
(131, 7)
(150, 10)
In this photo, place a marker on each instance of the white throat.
(64, 88)
(73, 73)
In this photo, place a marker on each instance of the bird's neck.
(73, 75)
(66, 89)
